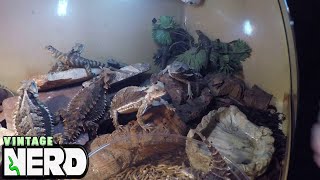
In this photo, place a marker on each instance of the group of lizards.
(89, 105)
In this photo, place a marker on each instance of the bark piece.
(257, 98)
(195, 108)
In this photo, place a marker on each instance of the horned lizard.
(203, 42)
(85, 108)
(73, 59)
(182, 73)
(136, 99)
(32, 117)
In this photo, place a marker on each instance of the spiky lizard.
(73, 59)
(182, 73)
(86, 108)
(203, 42)
(32, 117)
(135, 99)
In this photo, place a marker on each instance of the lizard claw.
(58, 138)
(172, 109)
(147, 128)
(120, 127)
(190, 96)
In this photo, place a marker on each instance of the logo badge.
(38, 157)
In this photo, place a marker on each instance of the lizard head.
(29, 86)
(50, 49)
(178, 67)
(156, 90)
(192, 2)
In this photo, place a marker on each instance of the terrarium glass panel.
(159, 73)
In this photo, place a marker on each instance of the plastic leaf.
(166, 22)
(239, 50)
(195, 61)
(228, 56)
(161, 37)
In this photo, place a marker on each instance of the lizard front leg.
(92, 127)
(164, 102)
(58, 138)
(88, 70)
(59, 66)
(114, 116)
(141, 120)
(190, 94)
(164, 71)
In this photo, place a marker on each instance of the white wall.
(122, 29)
(109, 28)
(228, 20)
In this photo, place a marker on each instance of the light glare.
(62, 7)
(247, 27)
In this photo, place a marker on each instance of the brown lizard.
(182, 73)
(74, 60)
(86, 108)
(136, 99)
(32, 117)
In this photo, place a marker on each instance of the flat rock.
(129, 72)
(115, 64)
(63, 78)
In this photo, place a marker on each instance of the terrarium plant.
(171, 39)
(196, 59)
(228, 57)
(161, 30)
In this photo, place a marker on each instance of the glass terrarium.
(216, 71)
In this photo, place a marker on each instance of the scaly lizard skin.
(77, 49)
(86, 107)
(204, 42)
(32, 117)
(73, 59)
(182, 73)
(135, 99)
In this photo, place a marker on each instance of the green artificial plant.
(227, 57)
(161, 30)
(195, 60)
